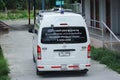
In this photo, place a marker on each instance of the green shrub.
(4, 78)
(107, 57)
(4, 70)
(1, 55)
(15, 14)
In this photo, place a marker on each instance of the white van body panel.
(59, 57)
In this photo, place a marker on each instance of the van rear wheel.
(84, 71)
(33, 58)
(38, 72)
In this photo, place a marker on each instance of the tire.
(38, 72)
(84, 71)
(34, 58)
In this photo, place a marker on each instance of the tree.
(22, 4)
(47, 4)
(3, 4)
(67, 4)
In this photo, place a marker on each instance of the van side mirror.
(30, 30)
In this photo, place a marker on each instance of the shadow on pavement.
(63, 74)
(20, 27)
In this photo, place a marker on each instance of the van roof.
(56, 13)
(56, 18)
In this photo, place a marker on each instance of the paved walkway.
(17, 48)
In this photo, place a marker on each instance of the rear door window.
(59, 35)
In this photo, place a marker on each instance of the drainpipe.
(43, 5)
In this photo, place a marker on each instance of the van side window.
(59, 35)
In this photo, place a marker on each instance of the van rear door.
(64, 45)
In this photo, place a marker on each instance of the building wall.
(115, 16)
(114, 13)
(87, 11)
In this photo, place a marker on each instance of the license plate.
(64, 66)
(64, 53)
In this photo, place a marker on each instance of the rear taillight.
(88, 51)
(38, 52)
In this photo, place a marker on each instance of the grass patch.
(4, 70)
(17, 14)
(107, 57)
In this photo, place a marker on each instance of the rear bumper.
(63, 67)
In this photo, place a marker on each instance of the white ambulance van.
(61, 42)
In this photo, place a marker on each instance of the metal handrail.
(102, 29)
(110, 31)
